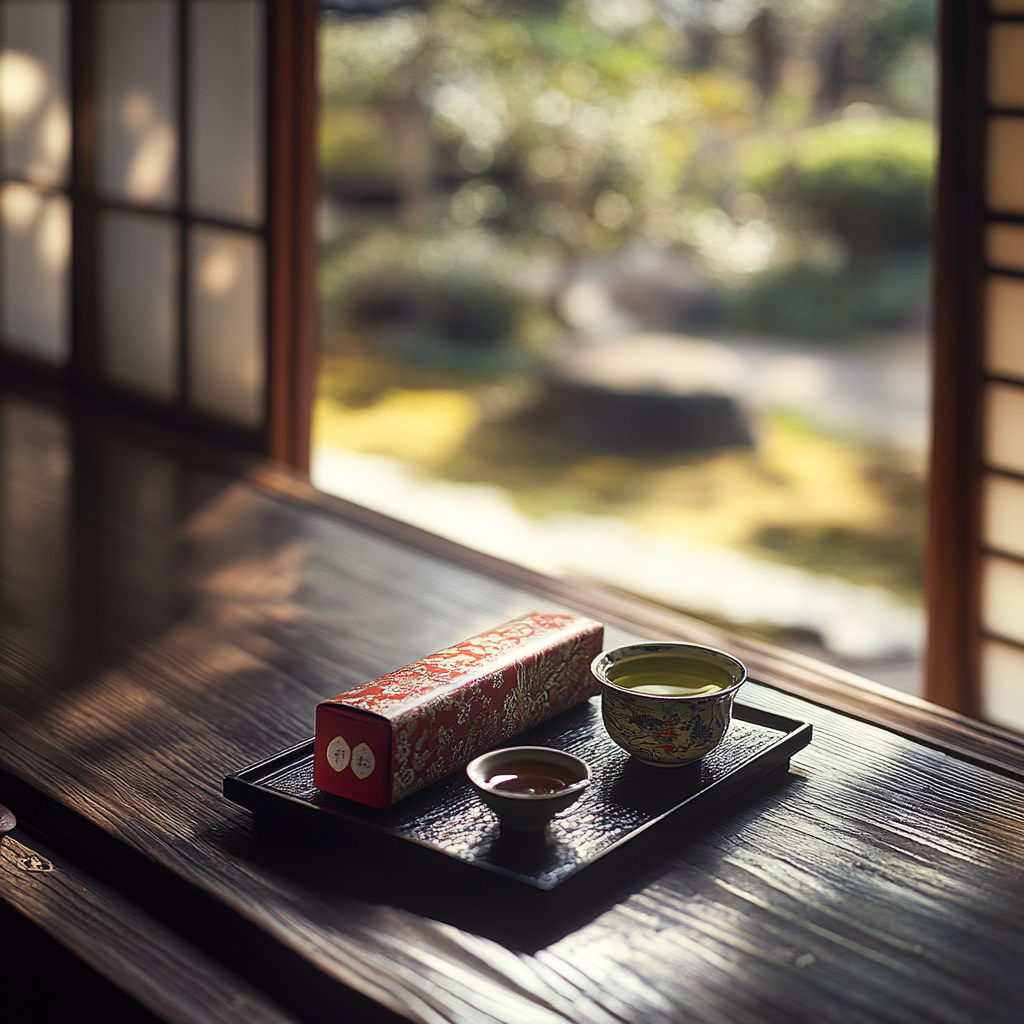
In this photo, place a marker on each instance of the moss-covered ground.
(829, 504)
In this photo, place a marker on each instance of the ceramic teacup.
(682, 707)
(527, 786)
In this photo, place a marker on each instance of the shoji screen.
(180, 201)
(976, 588)
(157, 189)
(35, 209)
(1002, 499)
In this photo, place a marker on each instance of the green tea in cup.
(670, 675)
(667, 703)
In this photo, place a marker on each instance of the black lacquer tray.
(445, 834)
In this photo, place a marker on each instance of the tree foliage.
(715, 129)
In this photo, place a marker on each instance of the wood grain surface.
(166, 619)
(144, 957)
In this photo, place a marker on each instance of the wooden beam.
(955, 476)
(291, 252)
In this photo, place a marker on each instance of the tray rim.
(242, 788)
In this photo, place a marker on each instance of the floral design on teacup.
(666, 733)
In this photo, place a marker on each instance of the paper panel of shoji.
(35, 271)
(1005, 191)
(1004, 326)
(34, 99)
(1002, 597)
(227, 346)
(1003, 524)
(1002, 685)
(1004, 427)
(1006, 65)
(1004, 246)
(226, 128)
(137, 85)
(138, 264)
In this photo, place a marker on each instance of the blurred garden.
(653, 274)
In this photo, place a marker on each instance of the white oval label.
(363, 761)
(339, 754)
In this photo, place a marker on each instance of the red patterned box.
(390, 737)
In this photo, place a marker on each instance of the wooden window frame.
(952, 574)
(954, 517)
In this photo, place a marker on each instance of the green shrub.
(871, 181)
(805, 300)
(868, 182)
(435, 298)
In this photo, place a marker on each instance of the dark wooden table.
(172, 612)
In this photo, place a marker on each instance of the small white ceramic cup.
(528, 812)
(667, 731)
